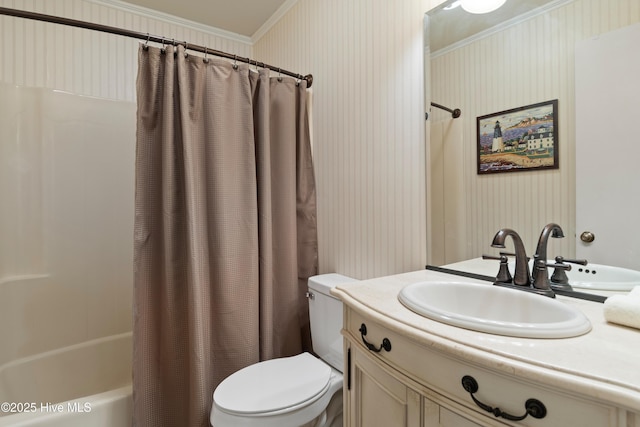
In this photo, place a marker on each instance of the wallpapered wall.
(369, 138)
(89, 62)
(367, 60)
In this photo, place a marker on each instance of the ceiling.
(246, 17)
(243, 17)
(447, 27)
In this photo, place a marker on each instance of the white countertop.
(604, 363)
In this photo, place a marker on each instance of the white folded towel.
(624, 309)
(635, 292)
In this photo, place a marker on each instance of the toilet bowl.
(302, 390)
(292, 391)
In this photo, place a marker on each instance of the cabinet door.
(437, 416)
(377, 398)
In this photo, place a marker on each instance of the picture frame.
(520, 139)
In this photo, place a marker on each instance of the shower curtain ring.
(146, 44)
(235, 62)
(205, 59)
(163, 49)
(186, 46)
(279, 75)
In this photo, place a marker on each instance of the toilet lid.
(273, 385)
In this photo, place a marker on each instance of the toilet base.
(331, 417)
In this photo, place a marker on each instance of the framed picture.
(521, 139)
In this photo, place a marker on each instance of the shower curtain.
(225, 229)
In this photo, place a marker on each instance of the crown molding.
(501, 27)
(171, 19)
(273, 19)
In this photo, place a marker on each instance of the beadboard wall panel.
(366, 57)
(87, 62)
(524, 64)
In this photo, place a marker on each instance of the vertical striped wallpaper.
(88, 62)
(367, 61)
(524, 64)
(369, 142)
(366, 57)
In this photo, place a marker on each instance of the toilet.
(296, 391)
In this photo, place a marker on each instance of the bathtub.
(87, 384)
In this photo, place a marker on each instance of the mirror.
(519, 55)
(449, 24)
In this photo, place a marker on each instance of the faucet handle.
(557, 266)
(511, 254)
(560, 260)
(559, 276)
(504, 276)
(540, 274)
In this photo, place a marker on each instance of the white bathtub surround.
(66, 174)
(109, 409)
(87, 384)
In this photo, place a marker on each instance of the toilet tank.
(325, 316)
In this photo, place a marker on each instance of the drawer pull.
(386, 344)
(534, 407)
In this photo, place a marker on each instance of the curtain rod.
(145, 36)
(454, 113)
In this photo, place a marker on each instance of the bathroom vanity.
(403, 369)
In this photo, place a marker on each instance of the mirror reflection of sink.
(496, 310)
(598, 277)
(603, 277)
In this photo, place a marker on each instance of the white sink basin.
(493, 309)
(603, 277)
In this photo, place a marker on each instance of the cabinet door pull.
(533, 407)
(349, 368)
(386, 344)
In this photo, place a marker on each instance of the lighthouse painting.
(498, 145)
(520, 139)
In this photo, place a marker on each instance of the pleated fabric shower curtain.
(225, 229)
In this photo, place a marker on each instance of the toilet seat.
(274, 386)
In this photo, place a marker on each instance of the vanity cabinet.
(381, 397)
(413, 384)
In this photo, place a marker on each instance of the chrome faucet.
(521, 277)
(549, 230)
